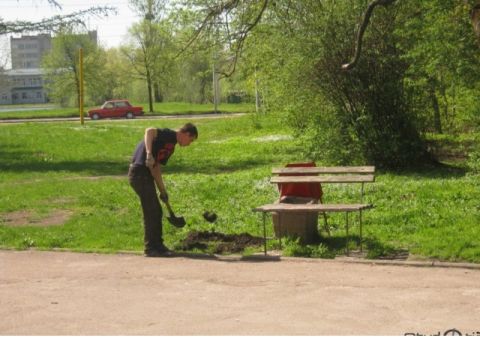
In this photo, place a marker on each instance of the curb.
(412, 263)
(260, 257)
(276, 257)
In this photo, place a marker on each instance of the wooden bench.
(361, 175)
(323, 175)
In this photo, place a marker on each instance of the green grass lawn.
(164, 108)
(64, 185)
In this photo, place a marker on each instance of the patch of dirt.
(29, 218)
(222, 243)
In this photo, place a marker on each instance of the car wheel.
(95, 116)
(130, 115)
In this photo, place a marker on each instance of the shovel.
(178, 222)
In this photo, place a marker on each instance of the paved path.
(58, 293)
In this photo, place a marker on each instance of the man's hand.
(150, 162)
(164, 197)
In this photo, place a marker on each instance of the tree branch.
(361, 31)
(240, 35)
(243, 36)
(54, 23)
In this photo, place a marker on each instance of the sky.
(111, 30)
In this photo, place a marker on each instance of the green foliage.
(61, 65)
(439, 46)
(121, 83)
(361, 116)
(294, 248)
(473, 161)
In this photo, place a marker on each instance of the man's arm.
(150, 135)
(157, 176)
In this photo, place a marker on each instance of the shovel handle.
(170, 211)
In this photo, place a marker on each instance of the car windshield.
(107, 105)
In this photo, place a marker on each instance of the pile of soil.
(221, 243)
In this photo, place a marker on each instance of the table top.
(287, 207)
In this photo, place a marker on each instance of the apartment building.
(24, 83)
(24, 86)
(27, 51)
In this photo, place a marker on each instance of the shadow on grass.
(332, 246)
(432, 171)
(372, 248)
(97, 168)
(216, 168)
(35, 162)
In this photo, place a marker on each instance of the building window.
(39, 95)
(15, 96)
(24, 95)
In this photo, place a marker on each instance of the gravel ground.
(64, 293)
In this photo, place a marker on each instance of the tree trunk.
(157, 92)
(437, 122)
(149, 88)
(475, 18)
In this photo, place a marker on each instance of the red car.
(115, 108)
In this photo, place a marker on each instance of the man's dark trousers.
(142, 182)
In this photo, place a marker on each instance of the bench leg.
(280, 230)
(346, 237)
(264, 235)
(327, 229)
(325, 224)
(361, 238)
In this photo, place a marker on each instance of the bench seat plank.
(287, 207)
(325, 170)
(323, 179)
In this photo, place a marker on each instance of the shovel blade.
(178, 222)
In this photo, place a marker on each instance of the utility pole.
(216, 86)
(216, 91)
(257, 95)
(80, 87)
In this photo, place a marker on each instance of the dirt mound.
(220, 243)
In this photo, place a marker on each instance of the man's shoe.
(161, 251)
(156, 253)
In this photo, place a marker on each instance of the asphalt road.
(155, 117)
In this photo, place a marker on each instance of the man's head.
(187, 134)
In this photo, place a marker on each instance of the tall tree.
(344, 117)
(61, 65)
(150, 43)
